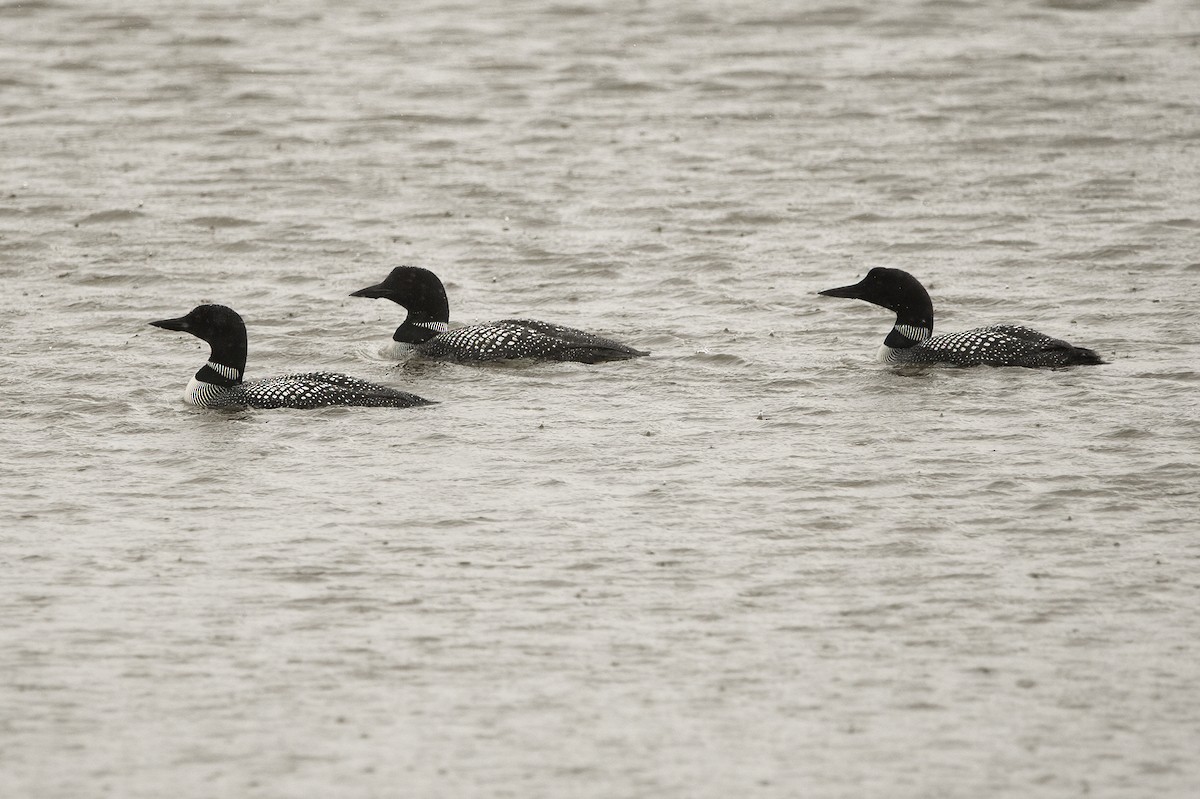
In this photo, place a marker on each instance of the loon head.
(895, 290)
(225, 333)
(422, 294)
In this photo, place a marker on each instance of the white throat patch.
(203, 395)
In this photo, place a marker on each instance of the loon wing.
(324, 389)
(1034, 337)
(512, 339)
(1002, 345)
(1049, 351)
(572, 344)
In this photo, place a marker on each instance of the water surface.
(756, 563)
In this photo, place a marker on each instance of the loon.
(219, 384)
(426, 329)
(911, 340)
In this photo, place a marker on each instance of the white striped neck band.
(227, 372)
(914, 333)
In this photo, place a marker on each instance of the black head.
(220, 326)
(209, 322)
(895, 290)
(416, 289)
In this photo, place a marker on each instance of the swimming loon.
(219, 384)
(911, 340)
(426, 329)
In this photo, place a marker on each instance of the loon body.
(219, 384)
(426, 330)
(911, 339)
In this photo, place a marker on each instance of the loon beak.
(180, 324)
(374, 292)
(852, 292)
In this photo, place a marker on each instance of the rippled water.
(756, 563)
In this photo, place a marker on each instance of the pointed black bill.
(853, 292)
(180, 324)
(374, 292)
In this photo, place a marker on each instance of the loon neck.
(903, 336)
(422, 294)
(914, 314)
(227, 361)
(418, 328)
(914, 309)
(219, 374)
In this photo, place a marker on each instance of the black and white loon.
(426, 330)
(219, 384)
(911, 340)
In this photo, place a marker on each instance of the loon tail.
(1063, 354)
(600, 353)
(1082, 356)
(1050, 351)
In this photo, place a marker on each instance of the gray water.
(756, 563)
